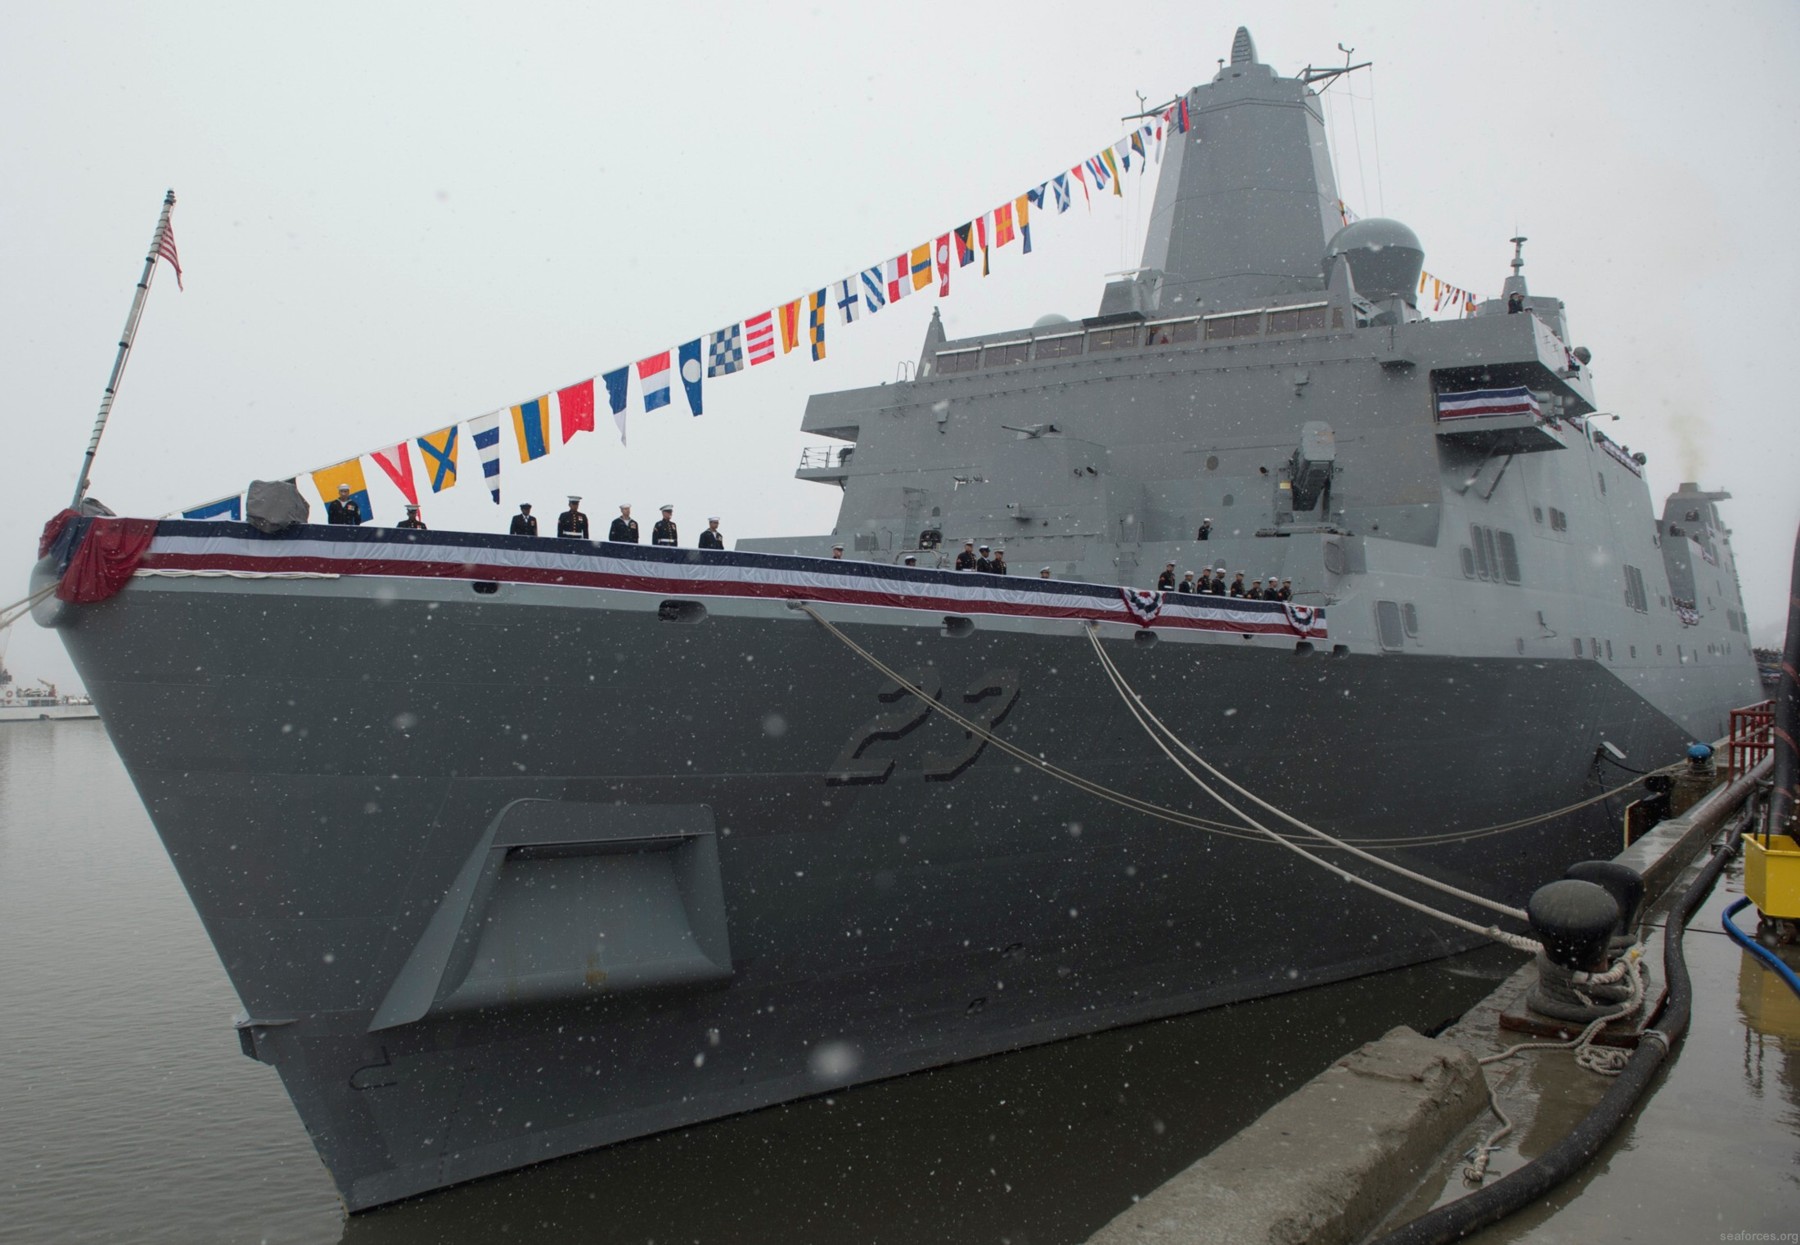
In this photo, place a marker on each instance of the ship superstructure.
(516, 847)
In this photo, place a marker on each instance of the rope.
(1600, 1060)
(18, 609)
(1136, 710)
(1136, 701)
(1157, 811)
(1512, 940)
(1061, 775)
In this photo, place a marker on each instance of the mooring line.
(1516, 941)
(1135, 702)
(1140, 805)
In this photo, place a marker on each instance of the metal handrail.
(1752, 737)
(825, 457)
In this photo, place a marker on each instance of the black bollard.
(1574, 921)
(1622, 882)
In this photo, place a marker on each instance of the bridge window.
(1005, 354)
(1122, 338)
(1239, 324)
(949, 361)
(1171, 332)
(1062, 346)
(1297, 319)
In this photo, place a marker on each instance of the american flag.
(165, 247)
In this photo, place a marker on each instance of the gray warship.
(472, 930)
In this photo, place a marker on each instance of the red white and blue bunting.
(181, 547)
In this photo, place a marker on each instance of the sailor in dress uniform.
(412, 519)
(624, 528)
(344, 510)
(524, 523)
(710, 538)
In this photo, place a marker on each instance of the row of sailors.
(1212, 583)
(573, 524)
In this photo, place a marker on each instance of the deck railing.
(1751, 739)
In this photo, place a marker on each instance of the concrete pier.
(1373, 1140)
(1326, 1163)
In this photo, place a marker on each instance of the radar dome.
(1385, 258)
(1049, 322)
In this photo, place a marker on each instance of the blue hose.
(1756, 948)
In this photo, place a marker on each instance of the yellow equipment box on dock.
(1772, 875)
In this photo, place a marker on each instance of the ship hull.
(846, 886)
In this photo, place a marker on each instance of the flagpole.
(125, 339)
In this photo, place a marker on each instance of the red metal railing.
(1752, 738)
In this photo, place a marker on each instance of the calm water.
(130, 1115)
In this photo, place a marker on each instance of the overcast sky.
(396, 216)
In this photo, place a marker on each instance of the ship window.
(1113, 339)
(1387, 625)
(1409, 614)
(1537, 514)
(1577, 646)
(1559, 522)
(1297, 319)
(1212, 462)
(1609, 650)
(1635, 595)
(1171, 332)
(1659, 650)
(1005, 354)
(1468, 562)
(1594, 649)
(1062, 346)
(1243, 324)
(1634, 652)
(949, 361)
(1601, 476)
(1482, 565)
(1509, 557)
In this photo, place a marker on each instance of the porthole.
(1212, 462)
(1227, 500)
